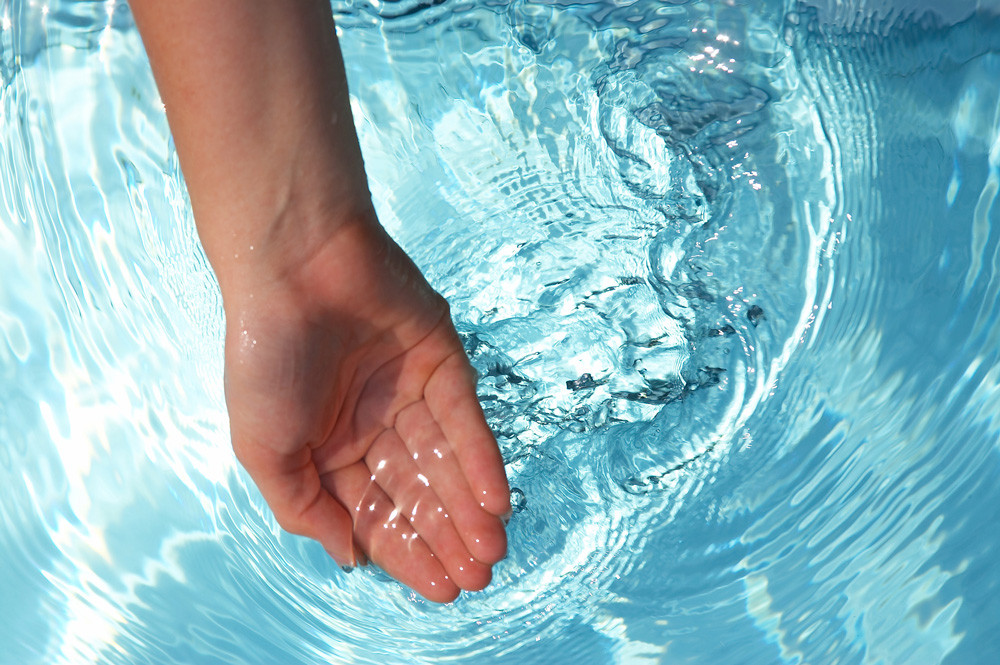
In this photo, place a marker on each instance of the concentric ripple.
(727, 271)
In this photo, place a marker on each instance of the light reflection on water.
(728, 274)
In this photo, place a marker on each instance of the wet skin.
(353, 408)
(352, 404)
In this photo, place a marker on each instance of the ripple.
(728, 278)
(622, 339)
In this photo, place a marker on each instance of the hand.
(351, 402)
(353, 408)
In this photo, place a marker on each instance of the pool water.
(728, 273)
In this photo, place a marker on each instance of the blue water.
(728, 271)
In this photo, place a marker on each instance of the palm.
(354, 410)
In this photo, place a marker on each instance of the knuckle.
(292, 521)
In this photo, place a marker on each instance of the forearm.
(257, 101)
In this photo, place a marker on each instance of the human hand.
(353, 408)
(351, 402)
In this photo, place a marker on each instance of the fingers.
(425, 500)
(448, 387)
(350, 515)
(387, 536)
(450, 394)
(434, 459)
(301, 505)
(414, 497)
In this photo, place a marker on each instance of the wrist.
(277, 250)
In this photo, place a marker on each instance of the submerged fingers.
(440, 375)
(451, 401)
(438, 466)
(387, 536)
(414, 498)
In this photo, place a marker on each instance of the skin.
(352, 403)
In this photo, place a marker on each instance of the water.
(727, 270)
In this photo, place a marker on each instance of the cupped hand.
(353, 408)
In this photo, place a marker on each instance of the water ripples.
(728, 277)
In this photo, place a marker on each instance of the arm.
(352, 404)
(257, 100)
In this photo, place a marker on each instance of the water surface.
(727, 271)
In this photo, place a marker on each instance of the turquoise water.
(728, 272)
